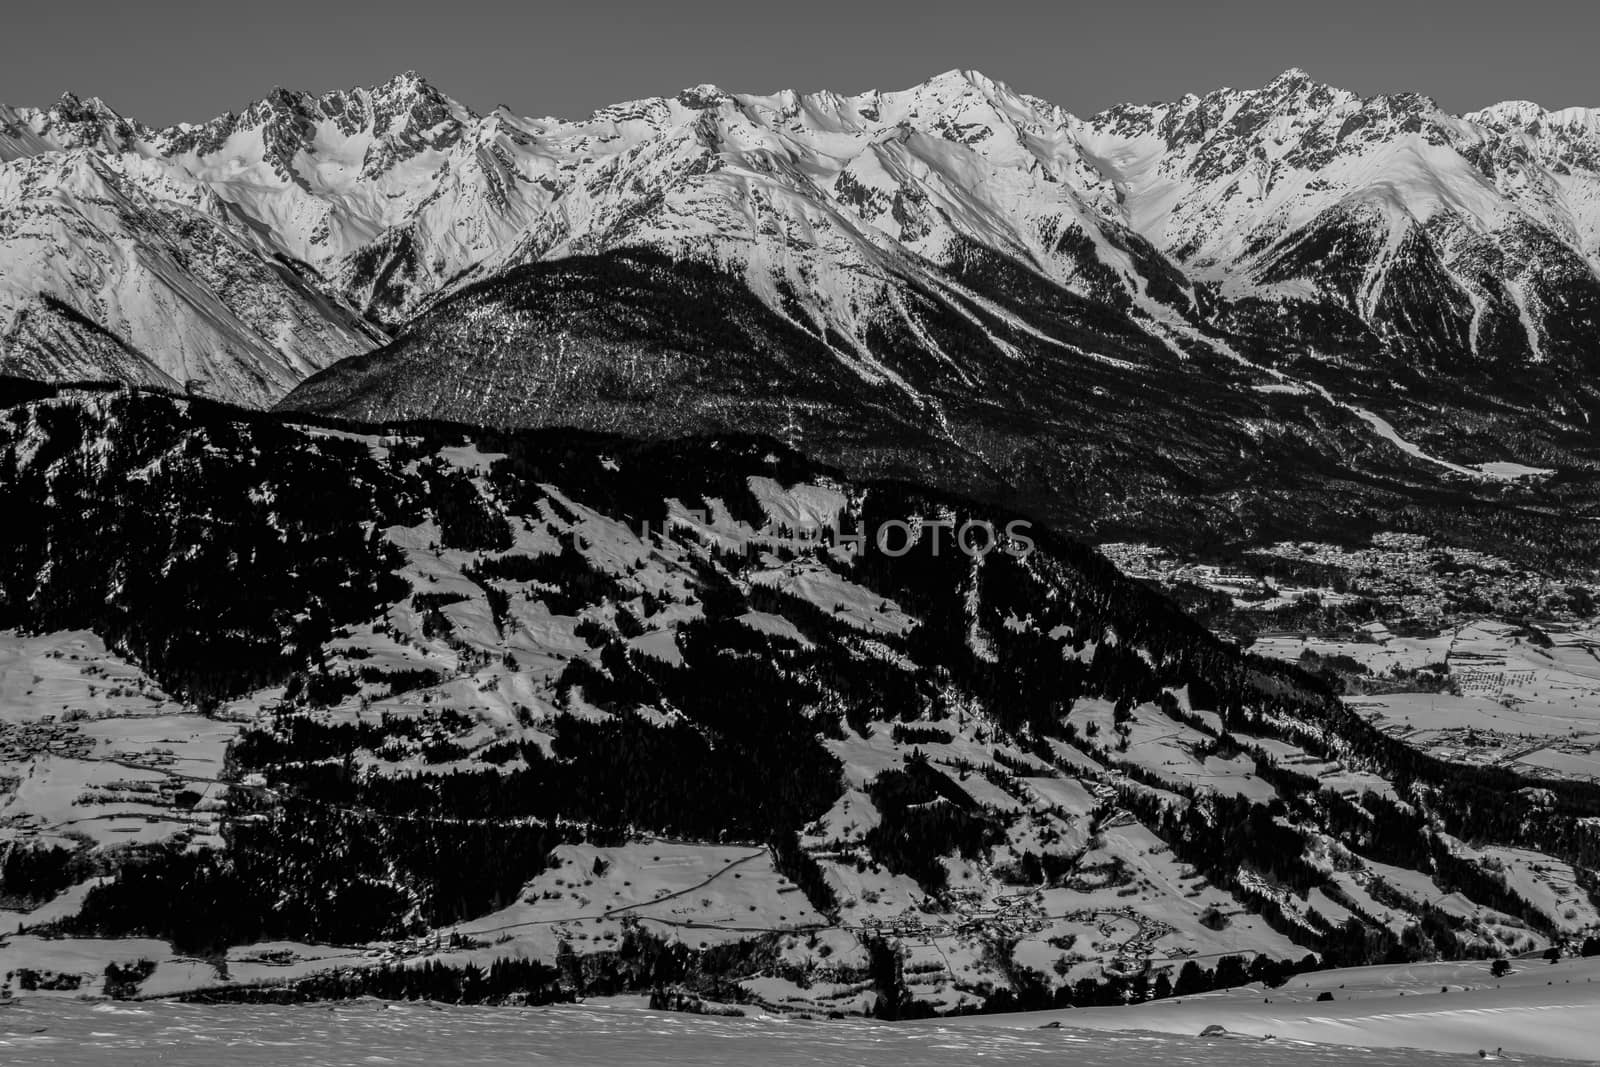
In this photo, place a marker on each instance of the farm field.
(1530, 703)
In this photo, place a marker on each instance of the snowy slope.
(105, 278)
(1537, 1010)
(118, 265)
(952, 227)
(607, 1032)
(1302, 191)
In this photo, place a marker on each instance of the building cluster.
(22, 741)
(1136, 948)
(1426, 582)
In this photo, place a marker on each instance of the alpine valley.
(449, 560)
(296, 709)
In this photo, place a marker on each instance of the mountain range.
(1228, 317)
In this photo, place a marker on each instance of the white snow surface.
(1539, 1010)
(607, 1034)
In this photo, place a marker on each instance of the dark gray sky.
(163, 61)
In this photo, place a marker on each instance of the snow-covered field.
(1540, 1009)
(1522, 703)
(704, 894)
(1526, 697)
(91, 748)
(615, 1034)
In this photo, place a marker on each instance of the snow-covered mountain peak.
(72, 108)
(395, 195)
(958, 90)
(406, 85)
(1292, 76)
(71, 122)
(1507, 114)
(1296, 84)
(285, 122)
(1526, 116)
(704, 95)
(958, 81)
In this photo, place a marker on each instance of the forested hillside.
(681, 714)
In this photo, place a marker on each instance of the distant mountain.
(1161, 318)
(532, 714)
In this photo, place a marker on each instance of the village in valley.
(1463, 654)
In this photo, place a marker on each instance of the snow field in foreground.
(609, 1034)
(1540, 1009)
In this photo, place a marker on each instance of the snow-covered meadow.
(92, 749)
(613, 1033)
(1538, 1009)
(1526, 703)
